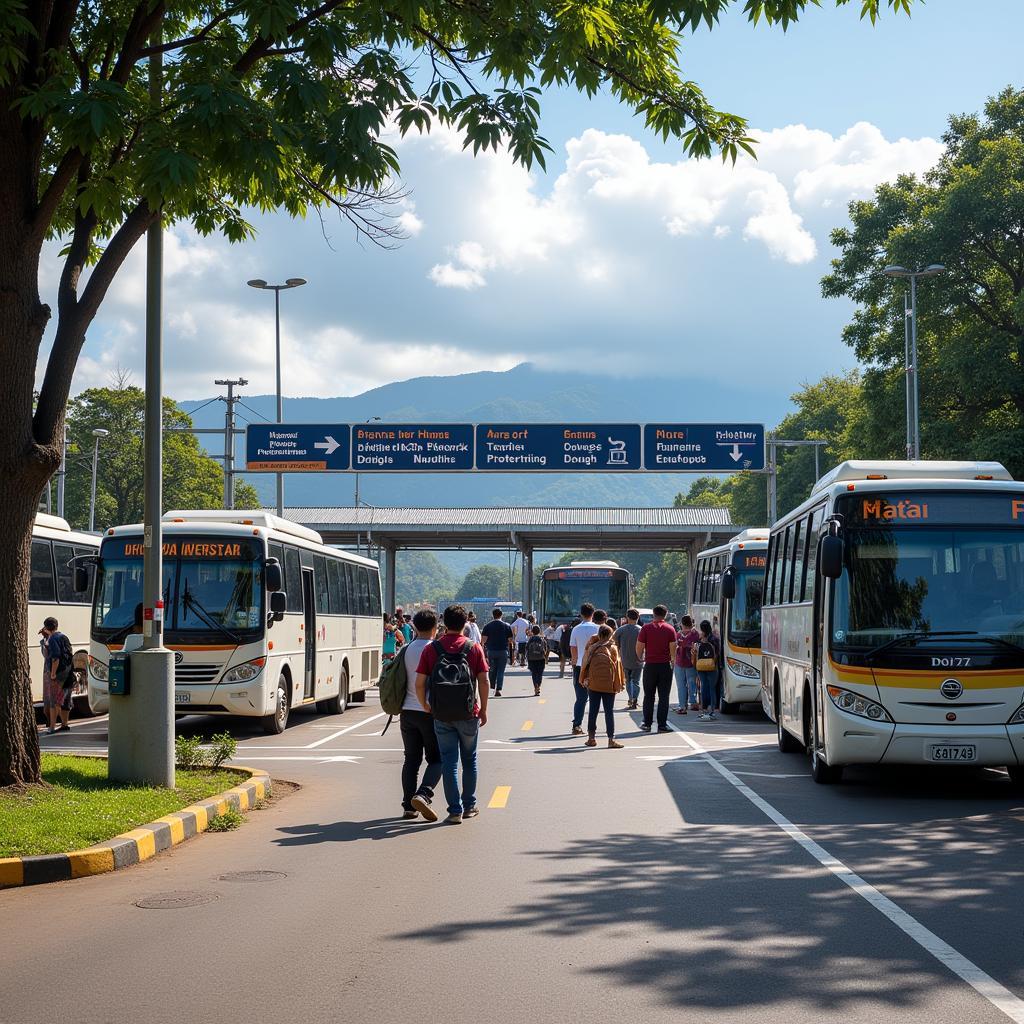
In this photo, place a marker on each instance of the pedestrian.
(578, 638)
(536, 658)
(564, 651)
(451, 683)
(522, 632)
(405, 625)
(686, 674)
(391, 635)
(498, 638)
(625, 638)
(600, 617)
(58, 676)
(656, 647)
(708, 658)
(472, 630)
(603, 677)
(419, 739)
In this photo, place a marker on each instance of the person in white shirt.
(521, 627)
(472, 630)
(577, 644)
(417, 725)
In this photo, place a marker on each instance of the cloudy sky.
(622, 258)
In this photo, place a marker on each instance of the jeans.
(709, 690)
(633, 682)
(657, 681)
(521, 648)
(582, 695)
(596, 701)
(686, 684)
(496, 664)
(420, 741)
(537, 671)
(458, 740)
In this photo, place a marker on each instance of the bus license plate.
(950, 752)
(182, 697)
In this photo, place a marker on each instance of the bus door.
(309, 603)
(818, 644)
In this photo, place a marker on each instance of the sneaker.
(664, 728)
(409, 815)
(50, 732)
(497, 693)
(680, 711)
(453, 819)
(421, 803)
(695, 707)
(591, 741)
(471, 812)
(645, 726)
(536, 692)
(615, 745)
(577, 731)
(706, 717)
(63, 728)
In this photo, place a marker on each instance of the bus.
(563, 588)
(726, 586)
(51, 591)
(262, 616)
(893, 620)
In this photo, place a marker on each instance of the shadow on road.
(350, 831)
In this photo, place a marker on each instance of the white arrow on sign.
(329, 445)
(735, 454)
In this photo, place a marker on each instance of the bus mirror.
(278, 603)
(80, 581)
(729, 583)
(830, 557)
(272, 575)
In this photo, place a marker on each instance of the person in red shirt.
(656, 648)
(457, 740)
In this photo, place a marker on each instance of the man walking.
(656, 647)
(625, 638)
(581, 633)
(522, 631)
(417, 724)
(57, 668)
(498, 638)
(455, 670)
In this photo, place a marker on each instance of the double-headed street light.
(291, 282)
(913, 391)
(99, 433)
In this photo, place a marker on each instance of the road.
(678, 879)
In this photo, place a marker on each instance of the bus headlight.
(741, 668)
(855, 704)
(244, 672)
(1018, 717)
(99, 670)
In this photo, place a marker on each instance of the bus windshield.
(563, 596)
(212, 589)
(745, 616)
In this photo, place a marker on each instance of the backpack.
(601, 674)
(65, 660)
(536, 649)
(707, 660)
(451, 685)
(394, 682)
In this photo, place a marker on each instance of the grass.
(81, 806)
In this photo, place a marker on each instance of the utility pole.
(62, 473)
(229, 436)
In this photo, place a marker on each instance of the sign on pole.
(558, 448)
(398, 447)
(297, 447)
(703, 447)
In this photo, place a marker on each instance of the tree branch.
(258, 48)
(178, 44)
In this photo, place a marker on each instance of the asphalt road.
(697, 876)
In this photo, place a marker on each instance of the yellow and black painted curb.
(138, 845)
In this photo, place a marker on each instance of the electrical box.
(119, 675)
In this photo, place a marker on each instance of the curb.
(140, 843)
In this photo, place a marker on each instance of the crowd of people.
(452, 667)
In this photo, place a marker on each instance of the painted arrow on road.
(328, 444)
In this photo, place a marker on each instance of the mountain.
(525, 393)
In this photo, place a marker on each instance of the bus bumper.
(911, 744)
(743, 691)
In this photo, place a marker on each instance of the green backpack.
(393, 684)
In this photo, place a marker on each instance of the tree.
(272, 104)
(665, 582)
(485, 581)
(421, 576)
(968, 214)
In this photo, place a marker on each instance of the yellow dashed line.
(527, 726)
(500, 797)
(542, 700)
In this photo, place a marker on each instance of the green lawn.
(82, 807)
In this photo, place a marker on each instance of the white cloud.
(447, 275)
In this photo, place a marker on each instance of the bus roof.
(593, 564)
(241, 517)
(862, 469)
(52, 522)
(752, 536)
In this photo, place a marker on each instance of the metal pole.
(817, 463)
(229, 449)
(280, 403)
(773, 470)
(92, 495)
(908, 374)
(62, 473)
(359, 536)
(913, 357)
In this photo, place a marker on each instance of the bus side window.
(812, 553)
(62, 555)
(334, 585)
(799, 541)
(375, 602)
(277, 551)
(767, 586)
(352, 588)
(41, 585)
(320, 584)
(783, 571)
(293, 579)
(773, 569)
(363, 587)
(90, 571)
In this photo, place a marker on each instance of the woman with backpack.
(603, 676)
(536, 657)
(707, 653)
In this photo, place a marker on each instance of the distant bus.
(261, 614)
(563, 588)
(51, 592)
(736, 605)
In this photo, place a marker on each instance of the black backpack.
(536, 649)
(707, 660)
(451, 686)
(65, 659)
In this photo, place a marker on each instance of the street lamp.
(369, 419)
(291, 282)
(913, 391)
(99, 433)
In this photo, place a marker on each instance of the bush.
(225, 822)
(189, 752)
(223, 749)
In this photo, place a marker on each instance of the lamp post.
(99, 433)
(913, 390)
(369, 419)
(291, 282)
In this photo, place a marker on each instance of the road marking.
(341, 732)
(542, 700)
(770, 775)
(500, 797)
(527, 726)
(984, 984)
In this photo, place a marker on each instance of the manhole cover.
(175, 900)
(251, 876)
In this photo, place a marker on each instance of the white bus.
(727, 585)
(262, 616)
(605, 584)
(893, 620)
(51, 591)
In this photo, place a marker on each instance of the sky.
(624, 258)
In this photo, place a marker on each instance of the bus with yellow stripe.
(893, 619)
(726, 588)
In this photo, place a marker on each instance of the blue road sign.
(297, 448)
(558, 447)
(703, 447)
(417, 447)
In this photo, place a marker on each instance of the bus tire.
(730, 707)
(277, 721)
(337, 705)
(787, 744)
(1016, 773)
(822, 773)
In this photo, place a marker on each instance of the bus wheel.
(729, 707)
(337, 705)
(275, 723)
(787, 744)
(822, 773)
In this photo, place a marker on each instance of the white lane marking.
(984, 984)
(772, 775)
(341, 732)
